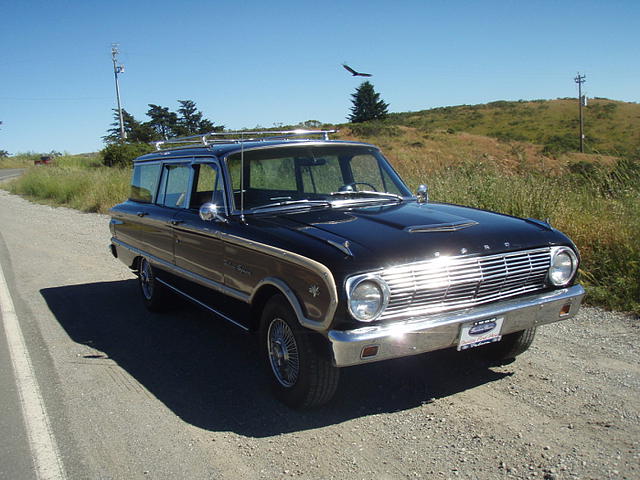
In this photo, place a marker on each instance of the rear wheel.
(301, 373)
(511, 345)
(154, 294)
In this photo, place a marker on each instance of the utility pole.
(117, 69)
(580, 79)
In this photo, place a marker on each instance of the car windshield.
(312, 175)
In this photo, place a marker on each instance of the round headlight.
(564, 264)
(367, 299)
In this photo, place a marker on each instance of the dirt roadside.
(568, 408)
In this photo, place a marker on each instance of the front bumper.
(439, 331)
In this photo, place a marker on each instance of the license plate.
(474, 334)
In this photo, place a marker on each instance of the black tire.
(154, 294)
(301, 371)
(510, 346)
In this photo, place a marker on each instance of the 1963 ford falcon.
(320, 248)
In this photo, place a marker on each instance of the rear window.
(144, 183)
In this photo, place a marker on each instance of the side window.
(208, 185)
(144, 183)
(174, 186)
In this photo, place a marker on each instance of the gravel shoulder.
(138, 395)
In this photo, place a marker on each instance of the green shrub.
(374, 129)
(507, 136)
(123, 154)
(558, 144)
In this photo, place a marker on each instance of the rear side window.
(174, 186)
(144, 183)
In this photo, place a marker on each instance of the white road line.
(41, 440)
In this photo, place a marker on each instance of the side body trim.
(244, 297)
(203, 305)
(293, 300)
(301, 261)
(187, 275)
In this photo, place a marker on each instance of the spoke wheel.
(283, 353)
(296, 359)
(154, 294)
(146, 279)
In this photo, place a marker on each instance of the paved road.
(131, 394)
(7, 173)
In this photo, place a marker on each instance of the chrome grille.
(447, 283)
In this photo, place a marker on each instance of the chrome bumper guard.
(439, 331)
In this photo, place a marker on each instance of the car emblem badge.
(314, 290)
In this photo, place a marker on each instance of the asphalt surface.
(132, 394)
(7, 173)
(15, 457)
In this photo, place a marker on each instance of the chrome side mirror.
(210, 212)
(422, 193)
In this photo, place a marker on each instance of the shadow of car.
(208, 372)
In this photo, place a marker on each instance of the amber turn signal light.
(369, 351)
(564, 311)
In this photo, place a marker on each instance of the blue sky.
(261, 63)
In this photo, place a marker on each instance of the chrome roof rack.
(216, 138)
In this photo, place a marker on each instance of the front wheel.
(302, 375)
(511, 345)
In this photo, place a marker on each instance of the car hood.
(406, 232)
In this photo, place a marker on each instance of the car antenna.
(242, 177)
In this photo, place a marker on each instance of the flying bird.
(353, 72)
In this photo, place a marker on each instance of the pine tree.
(191, 121)
(135, 130)
(367, 104)
(163, 121)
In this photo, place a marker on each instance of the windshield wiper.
(296, 203)
(367, 193)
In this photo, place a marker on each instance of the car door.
(142, 222)
(173, 197)
(198, 247)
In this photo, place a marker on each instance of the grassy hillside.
(611, 127)
(418, 154)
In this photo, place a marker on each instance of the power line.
(580, 79)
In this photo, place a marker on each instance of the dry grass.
(76, 182)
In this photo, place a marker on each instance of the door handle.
(176, 222)
(142, 214)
